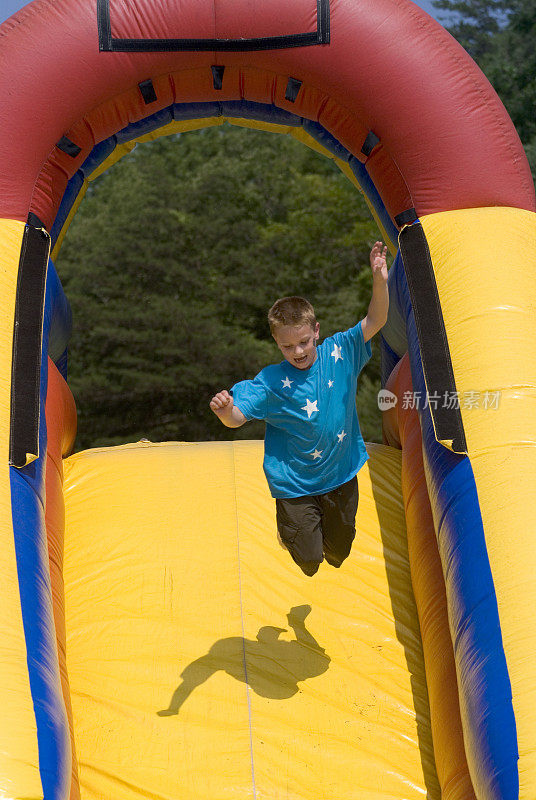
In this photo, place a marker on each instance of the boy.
(313, 447)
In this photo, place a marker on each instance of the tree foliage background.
(178, 251)
(500, 35)
(173, 262)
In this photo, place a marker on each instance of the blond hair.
(294, 311)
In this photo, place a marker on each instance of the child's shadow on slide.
(272, 668)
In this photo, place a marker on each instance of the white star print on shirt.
(286, 383)
(336, 352)
(317, 454)
(310, 408)
(340, 436)
(330, 384)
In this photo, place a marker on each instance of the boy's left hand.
(378, 261)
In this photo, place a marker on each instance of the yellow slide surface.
(203, 664)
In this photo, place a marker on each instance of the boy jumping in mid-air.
(313, 447)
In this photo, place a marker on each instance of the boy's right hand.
(221, 401)
(223, 406)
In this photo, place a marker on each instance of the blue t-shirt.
(313, 443)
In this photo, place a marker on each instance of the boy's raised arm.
(222, 405)
(379, 302)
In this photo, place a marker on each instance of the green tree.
(511, 68)
(474, 23)
(500, 36)
(173, 261)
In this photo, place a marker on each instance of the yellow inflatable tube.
(484, 267)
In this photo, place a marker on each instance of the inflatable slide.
(156, 642)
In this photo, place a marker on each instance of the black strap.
(323, 21)
(202, 45)
(435, 353)
(107, 43)
(66, 146)
(293, 87)
(217, 76)
(103, 25)
(406, 217)
(27, 344)
(147, 91)
(371, 141)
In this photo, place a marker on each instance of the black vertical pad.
(435, 353)
(27, 343)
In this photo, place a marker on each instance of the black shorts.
(319, 526)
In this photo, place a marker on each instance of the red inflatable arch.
(392, 86)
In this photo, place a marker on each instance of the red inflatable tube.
(61, 432)
(446, 140)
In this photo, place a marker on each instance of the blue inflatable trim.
(241, 109)
(31, 548)
(58, 320)
(389, 360)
